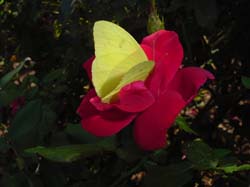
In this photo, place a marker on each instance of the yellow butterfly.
(119, 60)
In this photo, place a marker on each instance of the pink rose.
(152, 104)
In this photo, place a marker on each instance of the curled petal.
(135, 97)
(99, 105)
(151, 126)
(187, 81)
(102, 123)
(88, 65)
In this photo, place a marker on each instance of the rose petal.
(102, 123)
(148, 51)
(187, 81)
(88, 65)
(154, 81)
(86, 109)
(135, 97)
(99, 105)
(165, 44)
(151, 126)
(107, 123)
(167, 53)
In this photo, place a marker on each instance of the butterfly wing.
(116, 53)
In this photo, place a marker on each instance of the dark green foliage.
(31, 124)
(173, 175)
(42, 143)
(202, 156)
(245, 81)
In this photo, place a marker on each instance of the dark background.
(57, 36)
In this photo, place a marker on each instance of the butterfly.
(119, 60)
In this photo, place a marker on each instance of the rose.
(153, 104)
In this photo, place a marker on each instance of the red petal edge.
(102, 123)
(151, 126)
(187, 81)
(134, 97)
(88, 65)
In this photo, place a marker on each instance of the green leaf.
(221, 153)
(31, 124)
(70, 153)
(235, 168)
(1, 2)
(181, 122)
(204, 157)
(25, 122)
(174, 175)
(228, 161)
(6, 78)
(245, 81)
(201, 155)
(78, 133)
(108, 143)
